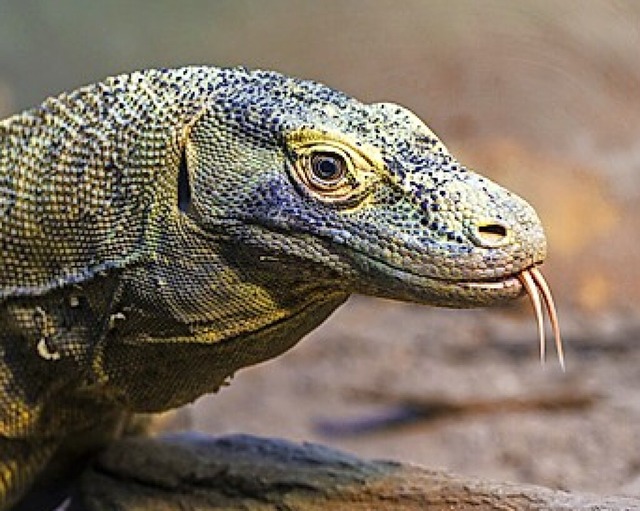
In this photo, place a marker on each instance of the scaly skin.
(163, 229)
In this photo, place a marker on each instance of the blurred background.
(543, 97)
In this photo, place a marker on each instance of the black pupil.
(327, 167)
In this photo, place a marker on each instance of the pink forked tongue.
(539, 292)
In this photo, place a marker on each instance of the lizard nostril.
(494, 230)
(490, 234)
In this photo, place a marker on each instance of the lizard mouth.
(541, 297)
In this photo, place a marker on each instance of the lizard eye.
(327, 170)
(327, 173)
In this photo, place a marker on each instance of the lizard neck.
(106, 152)
(215, 290)
(192, 314)
(156, 375)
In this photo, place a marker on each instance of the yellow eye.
(327, 172)
(331, 167)
(327, 169)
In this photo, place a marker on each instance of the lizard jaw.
(528, 280)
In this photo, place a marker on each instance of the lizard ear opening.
(184, 187)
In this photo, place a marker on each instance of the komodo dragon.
(162, 229)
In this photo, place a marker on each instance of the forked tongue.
(540, 293)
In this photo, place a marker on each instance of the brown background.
(542, 96)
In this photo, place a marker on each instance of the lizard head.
(364, 198)
(434, 231)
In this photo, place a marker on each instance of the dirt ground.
(543, 97)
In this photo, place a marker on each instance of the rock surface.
(240, 472)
